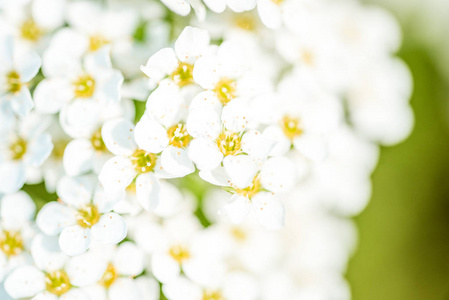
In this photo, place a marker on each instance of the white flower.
(227, 75)
(92, 27)
(82, 215)
(177, 63)
(87, 150)
(17, 67)
(31, 22)
(119, 267)
(55, 276)
(172, 142)
(379, 101)
(255, 191)
(302, 117)
(180, 244)
(220, 134)
(134, 159)
(25, 146)
(75, 88)
(16, 231)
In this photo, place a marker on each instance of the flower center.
(307, 57)
(109, 276)
(97, 141)
(238, 234)
(96, 42)
(57, 282)
(143, 161)
(178, 135)
(291, 127)
(253, 189)
(11, 243)
(179, 253)
(88, 216)
(13, 83)
(245, 21)
(18, 148)
(58, 149)
(212, 295)
(225, 90)
(229, 143)
(29, 30)
(183, 75)
(277, 2)
(84, 86)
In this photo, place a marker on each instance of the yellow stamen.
(178, 136)
(183, 75)
(291, 127)
(143, 161)
(88, 216)
(226, 90)
(84, 86)
(109, 276)
(11, 243)
(179, 253)
(57, 282)
(229, 143)
(29, 30)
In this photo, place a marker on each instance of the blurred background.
(403, 248)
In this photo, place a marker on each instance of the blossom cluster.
(216, 155)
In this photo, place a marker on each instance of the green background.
(403, 248)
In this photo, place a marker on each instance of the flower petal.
(78, 157)
(180, 7)
(12, 177)
(241, 170)
(22, 103)
(25, 282)
(217, 6)
(278, 174)
(176, 161)
(111, 229)
(54, 217)
(117, 173)
(125, 265)
(204, 123)
(86, 269)
(165, 103)
(51, 94)
(124, 288)
(269, 210)
(205, 154)
(150, 135)
(39, 149)
(237, 209)
(118, 136)
(257, 145)
(46, 253)
(164, 267)
(74, 240)
(17, 207)
(235, 115)
(75, 191)
(191, 44)
(161, 64)
(147, 190)
(311, 146)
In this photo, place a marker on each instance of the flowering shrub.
(212, 155)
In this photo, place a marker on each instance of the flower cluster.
(206, 157)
